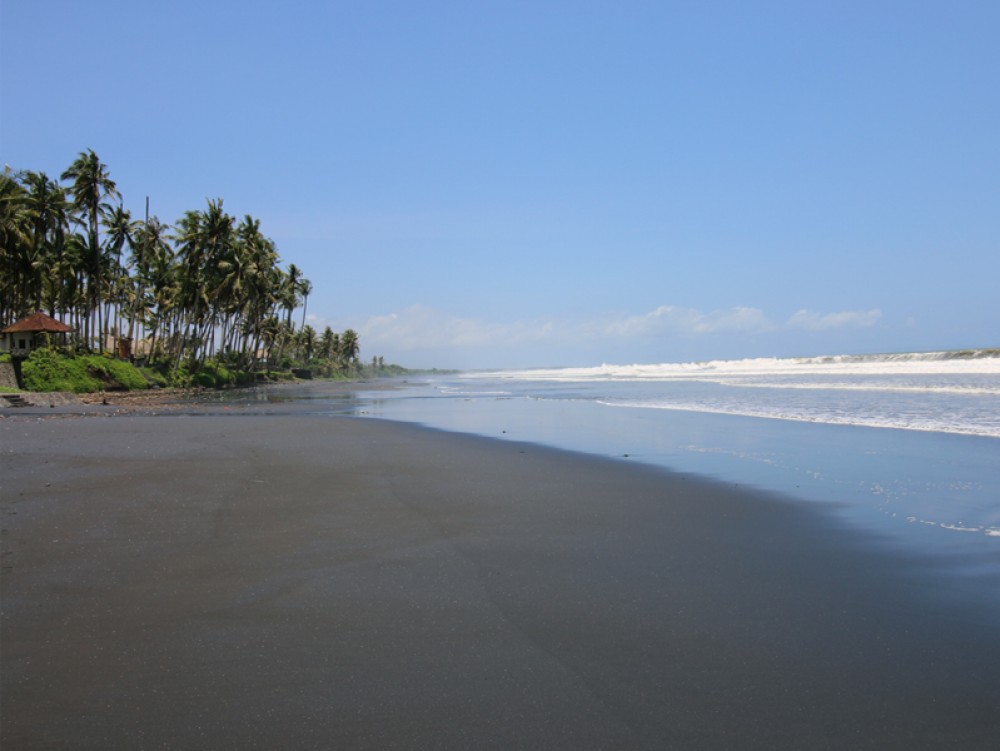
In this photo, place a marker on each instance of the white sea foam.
(450, 391)
(969, 389)
(961, 528)
(949, 392)
(963, 363)
(934, 423)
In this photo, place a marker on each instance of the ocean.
(904, 448)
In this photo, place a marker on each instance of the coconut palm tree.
(48, 209)
(204, 241)
(260, 288)
(72, 274)
(149, 244)
(305, 288)
(121, 231)
(271, 330)
(164, 287)
(92, 184)
(15, 236)
(222, 288)
(290, 292)
(308, 343)
(14, 225)
(349, 348)
(326, 343)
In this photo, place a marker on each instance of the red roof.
(37, 322)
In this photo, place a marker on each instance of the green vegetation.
(204, 302)
(55, 370)
(48, 370)
(51, 370)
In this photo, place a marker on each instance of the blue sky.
(472, 184)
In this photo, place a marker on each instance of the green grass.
(211, 374)
(154, 376)
(47, 370)
(51, 370)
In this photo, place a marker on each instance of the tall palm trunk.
(95, 286)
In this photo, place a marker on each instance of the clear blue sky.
(474, 184)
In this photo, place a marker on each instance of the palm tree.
(307, 343)
(204, 241)
(305, 287)
(149, 244)
(14, 227)
(224, 287)
(349, 348)
(164, 285)
(270, 332)
(326, 347)
(259, 293)
(48, 209)
(15, 237)
(72, 294)
(91, 185)
(290, 292)
(121, 231)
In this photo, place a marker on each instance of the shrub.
(116, 373)
(153, 375)
(213, 375)
(179, 377)
(47, 370)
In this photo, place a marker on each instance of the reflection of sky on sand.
(931, 492)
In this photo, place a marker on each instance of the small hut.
(32, 332)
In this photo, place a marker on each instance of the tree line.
(209, 286)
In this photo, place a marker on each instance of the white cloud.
(812, 321)
(747, 320)
(424, 332)
(420, 327)
(669, 319)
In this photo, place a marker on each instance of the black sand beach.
(291, 581)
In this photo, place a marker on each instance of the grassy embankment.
(53, 370)
(50, 370)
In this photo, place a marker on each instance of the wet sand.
(192, 581)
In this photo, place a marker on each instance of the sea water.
(905, 447)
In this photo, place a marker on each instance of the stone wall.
(50, 398)
(7, 377)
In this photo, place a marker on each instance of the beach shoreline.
(166, 400)
(194, 580)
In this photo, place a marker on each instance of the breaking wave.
(948, 392)
(954, 362)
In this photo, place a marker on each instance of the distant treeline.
(208, 286)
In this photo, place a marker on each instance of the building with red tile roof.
(33, 331)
